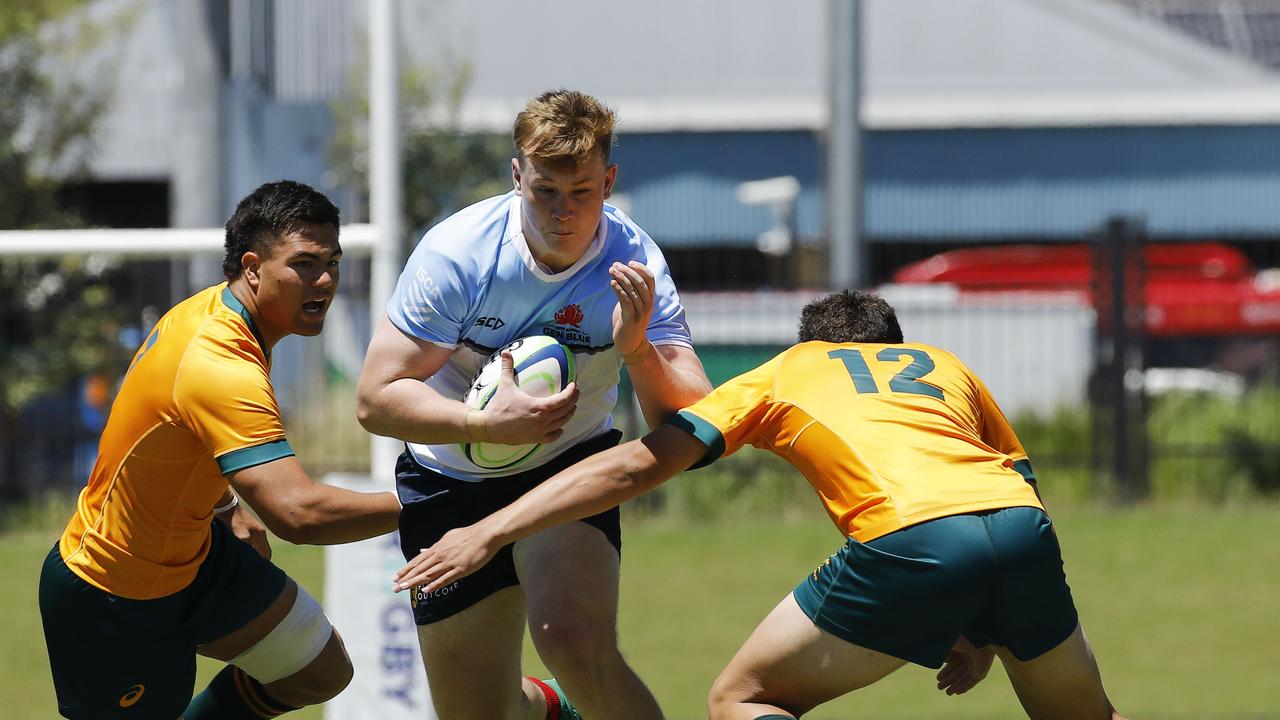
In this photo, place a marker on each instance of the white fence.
(1033, 351)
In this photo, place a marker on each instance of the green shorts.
(995, 577)
(113, 657)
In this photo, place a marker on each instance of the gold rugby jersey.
(888, 435)
(196, 404)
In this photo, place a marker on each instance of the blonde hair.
(564, 127)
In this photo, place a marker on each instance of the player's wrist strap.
(230, 505)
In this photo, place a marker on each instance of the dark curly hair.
(268, 214)
(850, 316)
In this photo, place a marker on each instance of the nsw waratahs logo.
(569, 315)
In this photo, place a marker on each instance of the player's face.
(296, 280)
(561, 206)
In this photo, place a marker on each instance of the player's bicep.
(393, 355)
(390, 387)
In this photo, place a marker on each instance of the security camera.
(769, 191)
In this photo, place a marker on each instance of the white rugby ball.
(543, 367)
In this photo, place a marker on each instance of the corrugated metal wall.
(315, 47)
(968, 185)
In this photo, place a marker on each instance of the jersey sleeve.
(733, 414)
(667, 325)
(997, 432)
(237, 417)
(430, 301)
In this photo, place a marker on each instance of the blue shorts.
(434, 504)
(995, 577)
(114, 657)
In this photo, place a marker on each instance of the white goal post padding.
(148, 243)
(376, 624)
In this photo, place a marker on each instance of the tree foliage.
(60, 319)
(46, 127)
(68, 324)
(444, 168)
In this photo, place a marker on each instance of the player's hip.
(995, 576)
(435, 503)
(143, 651)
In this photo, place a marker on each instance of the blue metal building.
(986, 120)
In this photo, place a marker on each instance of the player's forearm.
(664, 387)
(331, 516)
(412, 411)
(592, 486)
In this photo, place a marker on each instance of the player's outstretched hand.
(459, 553)
(633, 285)
(513, 417)
(965, 667)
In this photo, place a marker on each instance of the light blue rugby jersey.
(472, 285)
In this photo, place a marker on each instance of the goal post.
(359, 239)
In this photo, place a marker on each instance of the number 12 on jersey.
(906, 381)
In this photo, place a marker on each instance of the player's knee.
(565, 645)
(729, 691)
(342, 670)
(320, 681)
(302, 655)
(717, 704)
(720, 698)
(722, 705)
(326, 685)
(334, 671)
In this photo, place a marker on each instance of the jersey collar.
(231, 301)
(515, 234)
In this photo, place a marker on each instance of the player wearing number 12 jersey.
(949, 557)
(889, 435)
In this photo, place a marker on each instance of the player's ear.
(250, 265)
(515, 174)
(610, 175)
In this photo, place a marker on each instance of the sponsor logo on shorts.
(493, 322)
(131, 698)
(819, 568)
(418, 597)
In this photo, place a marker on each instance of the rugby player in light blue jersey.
(549, 258)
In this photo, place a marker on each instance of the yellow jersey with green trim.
(195, 405)
(888, 435)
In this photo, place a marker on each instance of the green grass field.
(1181, 607)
